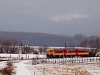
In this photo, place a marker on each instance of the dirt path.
(21, 69)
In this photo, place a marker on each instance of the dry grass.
(8, 70)
(58, 70)
(98, 64)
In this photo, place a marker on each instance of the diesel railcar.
(66, 52)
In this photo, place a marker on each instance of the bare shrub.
(8, 70)
(98, 54)
(9, 64)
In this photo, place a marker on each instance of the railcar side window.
(58, 50)
(82, 50)
(71, 49)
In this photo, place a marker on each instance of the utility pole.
(26, 46)
(65, 44)
(19, 54)
(64, 54)
(21, 50)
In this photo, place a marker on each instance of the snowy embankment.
(24, 56)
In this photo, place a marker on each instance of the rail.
(71, 60)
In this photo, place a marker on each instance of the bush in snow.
(98, 54)
(8, 70)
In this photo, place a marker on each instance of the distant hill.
(42, 39)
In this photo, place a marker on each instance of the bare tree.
(84, 43)
(97, 42)
(8, 45)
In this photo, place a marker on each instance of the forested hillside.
(43, 39)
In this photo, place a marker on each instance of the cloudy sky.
(65, 17)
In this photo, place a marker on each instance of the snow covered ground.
(25, 67)
(2, 64)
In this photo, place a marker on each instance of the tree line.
(92, 42)
(13, 46)
(8, 45)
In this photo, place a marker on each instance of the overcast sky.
(65, 17)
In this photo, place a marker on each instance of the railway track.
(68, 60)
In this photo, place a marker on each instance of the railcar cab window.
(51, 50)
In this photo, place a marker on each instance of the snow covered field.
(25, 67)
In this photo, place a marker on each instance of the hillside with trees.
(41, 39)
(44, 39)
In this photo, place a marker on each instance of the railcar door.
(49, 52)
(71, 52)
(58, 52)
(83, 52)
